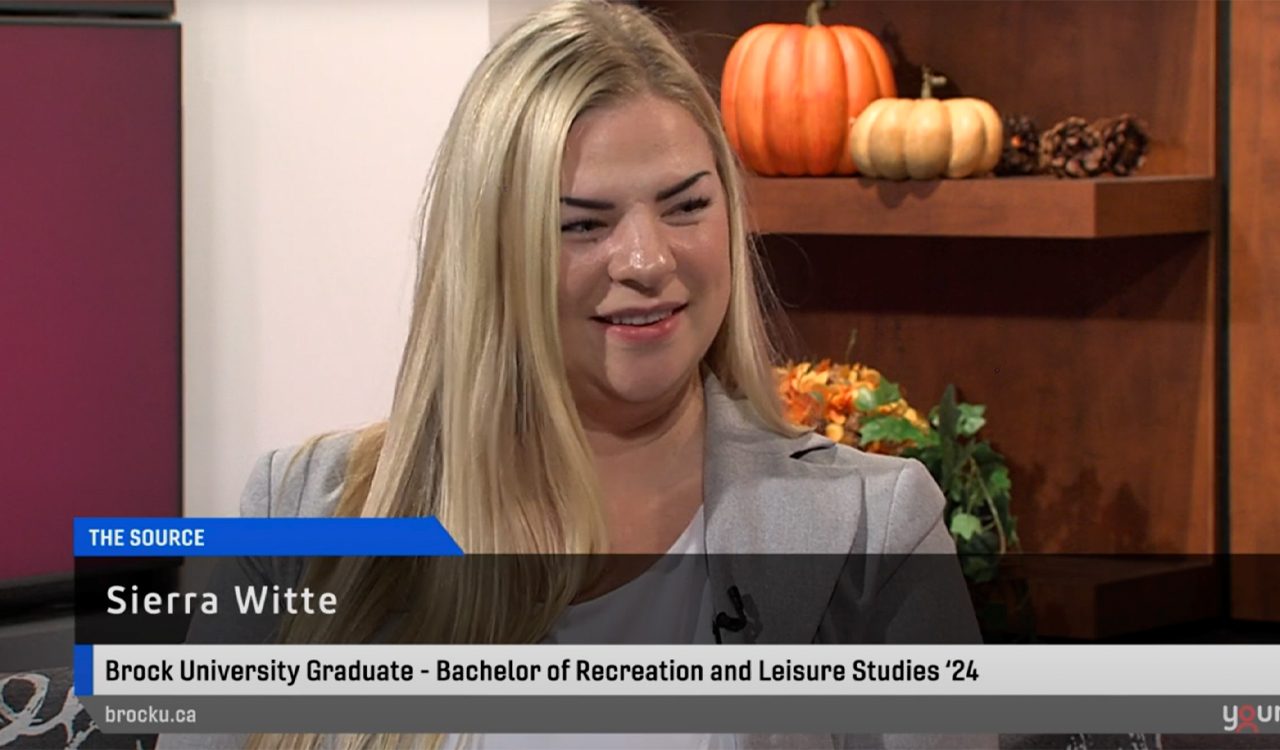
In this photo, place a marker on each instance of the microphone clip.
(724, 621)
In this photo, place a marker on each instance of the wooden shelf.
(1014, 290)
(1093, 597)
(1029, 207)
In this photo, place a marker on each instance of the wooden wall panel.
(1255, 301)
(1095, 360)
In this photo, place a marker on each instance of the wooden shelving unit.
(1084, 313)
(1020, 207)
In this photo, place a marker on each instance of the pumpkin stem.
(813, 16)
(930, 79)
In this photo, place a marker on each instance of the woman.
(587, 371)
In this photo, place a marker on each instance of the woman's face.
(644, 237)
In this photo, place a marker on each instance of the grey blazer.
(764, 494)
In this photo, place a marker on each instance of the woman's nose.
(640, 255)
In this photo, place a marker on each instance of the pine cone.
(1072, 148)
(1021, 151)
(1124, 143)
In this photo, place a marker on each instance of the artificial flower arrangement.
(855, 405)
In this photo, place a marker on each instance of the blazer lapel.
(779, 523)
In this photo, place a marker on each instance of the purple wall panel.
(90, 402)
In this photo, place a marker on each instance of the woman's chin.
(639, 387)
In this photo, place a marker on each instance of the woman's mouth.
(640, 319)
(640, 325)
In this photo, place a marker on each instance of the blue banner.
(82, 669)
(266, 537)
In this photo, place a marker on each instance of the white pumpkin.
(926, 138)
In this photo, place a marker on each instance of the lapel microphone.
(723, 621)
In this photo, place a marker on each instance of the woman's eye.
(585, 226)
(691, 206)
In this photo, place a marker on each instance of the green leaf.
(965, 525)
(982, 543)
(970, 419)
(889, 428)
(958, 482)
(930, 456)
(968, 495)
(984, 454)
(868, 400)
(979, 568)
(974, 477)
(998, 481)
(948, 414)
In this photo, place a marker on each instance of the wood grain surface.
(1026, 207)
(1255, 306)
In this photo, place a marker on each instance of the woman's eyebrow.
(662, 195)
(585, 203)
(680, 186)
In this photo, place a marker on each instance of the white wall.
(309, 126)
(503, 14)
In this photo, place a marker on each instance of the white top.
(668, 603)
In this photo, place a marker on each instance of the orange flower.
(893, 407)
(802, 409)
(839, 403)
(914, 418)
(803, 379)
(823, 396)
(801, 390)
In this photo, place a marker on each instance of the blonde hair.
(483, 432)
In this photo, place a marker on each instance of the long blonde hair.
(483, 432)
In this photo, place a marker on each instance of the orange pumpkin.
(789, 91)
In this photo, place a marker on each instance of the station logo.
(1246, 718)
